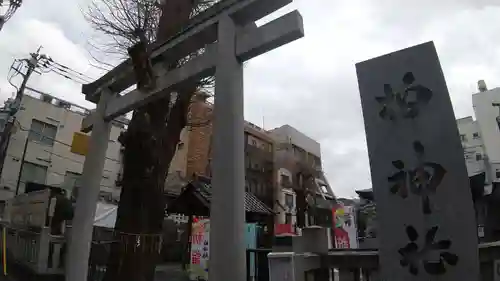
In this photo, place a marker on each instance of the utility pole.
(18, 184)
(16, 104)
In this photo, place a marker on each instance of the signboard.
(284, 229)
(80, 143)
(200, 234)
(345, 230)
(200, 248)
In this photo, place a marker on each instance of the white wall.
(287, 133)
(472, 143)
(57, 158)
(486, 118)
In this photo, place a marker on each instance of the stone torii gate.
(231, 37)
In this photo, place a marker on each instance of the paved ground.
(168, 272)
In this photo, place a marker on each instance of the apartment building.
(472, 143)
(481, 136)
(41, 143)
(486, 110)
(272, 159)
(194, 155)
(296, 153)
(259, 151)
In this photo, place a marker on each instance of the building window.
(256, 166)
(479, 157)
(42, 132)
(32, 173)
(289, 200)
(72, 182)
(498, 174)
(251, 187)
(285, 180)
(463, 137)
(475, 135)
(288, 218)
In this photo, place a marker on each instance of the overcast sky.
(311, 83)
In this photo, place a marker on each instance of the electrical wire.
(70, 69)
(47, 64)
(16, 66)
(56, 185)
(57, 141)
(67, 158)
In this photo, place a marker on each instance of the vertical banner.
(425, 215)
(199, 250)
(350, 226)
(344, 227)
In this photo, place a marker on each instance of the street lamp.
(7, 10)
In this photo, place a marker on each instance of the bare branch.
(119, 24)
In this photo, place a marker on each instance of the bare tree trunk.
(150, 144)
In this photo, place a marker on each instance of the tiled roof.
(252, 203)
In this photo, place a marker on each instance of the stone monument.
(424, 205)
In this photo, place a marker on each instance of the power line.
(70, 69)
(57, 141)
(67, 158)
(57, 184)
(48, 64)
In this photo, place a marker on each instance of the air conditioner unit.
(46, 98)
(63, 104)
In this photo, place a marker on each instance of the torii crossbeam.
(231, 37)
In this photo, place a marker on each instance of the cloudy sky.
(311, 83)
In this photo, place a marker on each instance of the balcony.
(285, 229)
(258, 152)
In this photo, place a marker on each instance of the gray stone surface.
(81, 233)
(227, 208)
(422, 133)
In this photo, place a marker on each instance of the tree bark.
(150, 144)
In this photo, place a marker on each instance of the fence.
(39, 251)
(257, 264)
(44, 254)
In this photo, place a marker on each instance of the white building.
(46, 126)
(294, 146)
(473, 145)
(481, 137)
(486, 117)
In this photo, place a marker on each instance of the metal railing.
(37, 250)
(257, 264)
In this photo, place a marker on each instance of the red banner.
(283, 229)
(341, 236)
